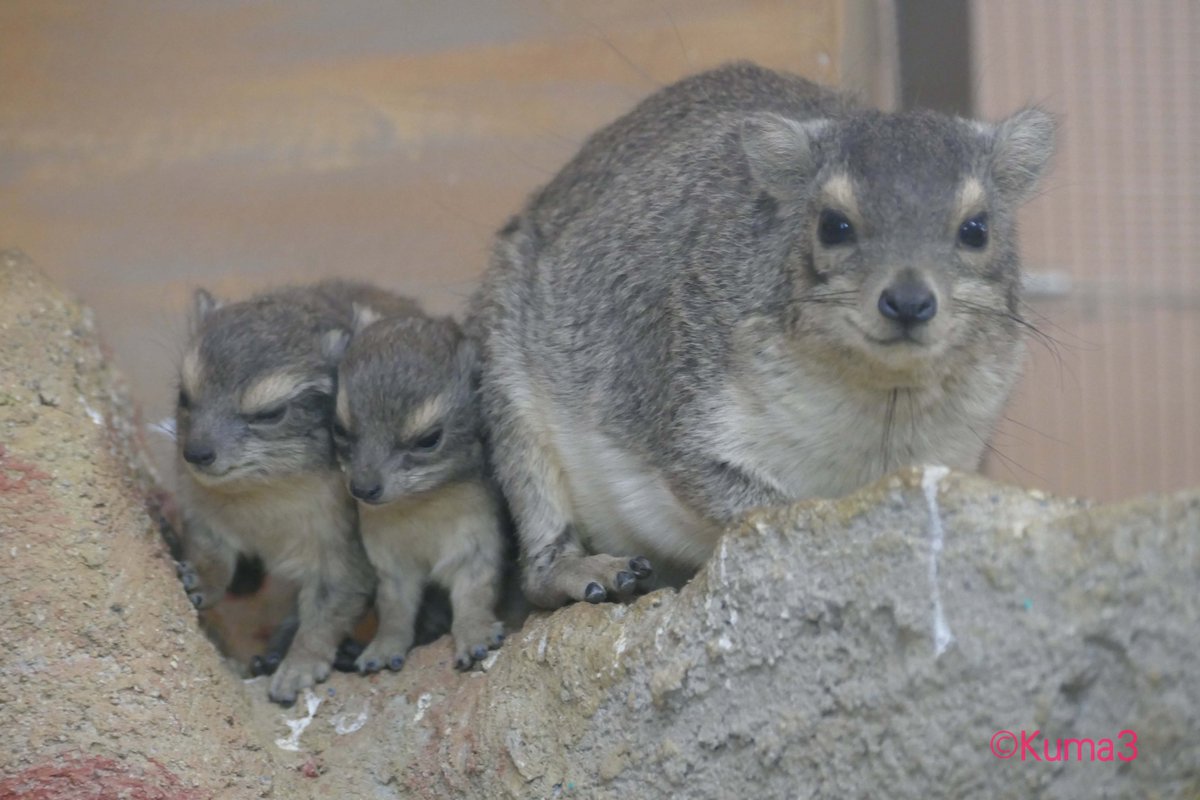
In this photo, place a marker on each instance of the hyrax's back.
(747, 291)
(676, 118)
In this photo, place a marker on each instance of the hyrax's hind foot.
(591, 578)
(472, 640)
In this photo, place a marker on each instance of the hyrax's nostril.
(369, 493)
(908, 303)
(199, 454)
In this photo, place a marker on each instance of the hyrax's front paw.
(297, 672)
(591, 578)
(473, 640)
(199, 593)
(383, 651)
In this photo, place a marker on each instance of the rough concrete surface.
(864, 647)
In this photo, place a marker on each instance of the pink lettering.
(1028, 744)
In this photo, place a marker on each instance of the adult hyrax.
(745, 292)
(408, 435)
(257, 473)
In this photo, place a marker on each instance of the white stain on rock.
(423, 704)
(930, 480)
(345, 722)
(298, 726)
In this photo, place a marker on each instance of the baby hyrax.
(408, 436)
(257, 471)
(746, 292)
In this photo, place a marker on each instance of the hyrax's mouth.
(904, 337)
(228, 476)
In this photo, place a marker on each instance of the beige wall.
(1114, 410)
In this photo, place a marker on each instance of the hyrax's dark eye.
(974, 232)
(429, 440)
(269, 416)
(834, 228)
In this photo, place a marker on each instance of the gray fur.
(432, 515)
(667, 345)
(273, 488)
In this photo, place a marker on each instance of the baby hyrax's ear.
(333, 345)
(1021, 148)
(203, 304)
(364, 316)
(783, 153)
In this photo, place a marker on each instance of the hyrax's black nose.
(908, 302)
(199, 454)
(368, 494)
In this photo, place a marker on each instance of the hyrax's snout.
(908, 301)
(367, 489)
(199, 454)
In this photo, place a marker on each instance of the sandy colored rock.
(869, 646)
(104, 677)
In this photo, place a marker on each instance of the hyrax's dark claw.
(395, 663)
(462, 663)
(371, 666)
(640, 566)
(479, 652)
(197, 599)
(594, 593)
(624, 581)
(257, 666)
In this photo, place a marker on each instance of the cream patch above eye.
(279, 387)
(342, 410)
(971, 199)
(838, 192)
(425, 416)
(190, 372)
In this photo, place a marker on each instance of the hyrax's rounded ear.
(1021, 149)
(364, 316)
(333, 344)
(203, 304)
(782, 152)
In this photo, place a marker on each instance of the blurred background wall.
(147, 148)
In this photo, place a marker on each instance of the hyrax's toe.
(294, 675)
(594, 593)
(187, 575)
(380, 654)
(472, 642)
(640, 566)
